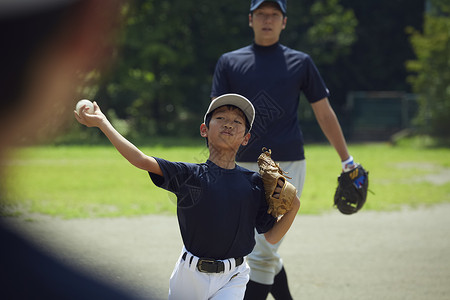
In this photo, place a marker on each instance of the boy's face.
(267, 22)
(226, 129)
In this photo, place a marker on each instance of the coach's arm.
(330, 127)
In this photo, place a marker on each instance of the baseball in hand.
(88, 104)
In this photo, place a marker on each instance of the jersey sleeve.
(174, 174)
(220, 84)
(313, 87)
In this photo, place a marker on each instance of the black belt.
(208, 265)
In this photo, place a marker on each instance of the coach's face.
(267, 22)
(226, 129)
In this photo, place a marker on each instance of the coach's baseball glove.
(351, 192)
(279, 192)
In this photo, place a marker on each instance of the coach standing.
(272, 76)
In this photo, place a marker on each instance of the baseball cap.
(282, 3)
(233, 99)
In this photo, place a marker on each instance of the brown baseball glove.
(279, 192)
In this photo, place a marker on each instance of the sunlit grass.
(83, 181)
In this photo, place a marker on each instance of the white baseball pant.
(188, 283)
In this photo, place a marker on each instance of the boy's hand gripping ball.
(88, 104)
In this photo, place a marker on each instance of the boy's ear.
(203, 130)
(250, 20)
(246, 139)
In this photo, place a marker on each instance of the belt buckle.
(207, 262)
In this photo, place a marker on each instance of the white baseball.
(88, 104)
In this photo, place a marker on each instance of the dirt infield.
(370, 255)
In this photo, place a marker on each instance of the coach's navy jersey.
(272, 78)
(218, 209)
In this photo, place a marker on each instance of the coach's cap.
(256, 3)
(233, 99)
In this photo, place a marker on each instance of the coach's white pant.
(188, 283)
(264, 261)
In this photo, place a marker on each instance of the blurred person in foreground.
(47, 46)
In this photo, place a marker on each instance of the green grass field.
(83, 181)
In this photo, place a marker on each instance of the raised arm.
(135, 156)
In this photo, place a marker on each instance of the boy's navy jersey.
(218, 209)
(272, 78)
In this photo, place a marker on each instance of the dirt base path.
(389, 255)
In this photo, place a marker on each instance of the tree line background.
(160, 81)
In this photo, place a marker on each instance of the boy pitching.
(219, 204)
